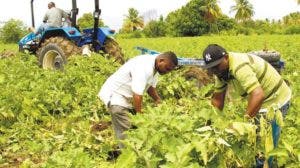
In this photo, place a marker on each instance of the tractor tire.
(201, 76)
(269, 56)
(112, 48)
(21, 49)
(55, 51)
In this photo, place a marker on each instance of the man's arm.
(45, 19)
(153, 93)
(137, 102)
(248, 80)
(255, 100)
(218, 99)
(64, 14)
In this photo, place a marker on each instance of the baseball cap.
(213, 55)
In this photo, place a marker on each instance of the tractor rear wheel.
(273, 57)
(270, 56)
(112, 48)
(55, 51)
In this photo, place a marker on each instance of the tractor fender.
(107, 31)
(70, 33)
(103, 33)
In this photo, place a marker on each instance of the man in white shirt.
(123, 91)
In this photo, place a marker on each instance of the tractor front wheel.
(52, 57)
(55, 51)
(21, 49)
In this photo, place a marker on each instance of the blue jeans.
(276, 129)
(42, 28)
(275, 135)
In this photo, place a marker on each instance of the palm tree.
(211, 11)
(244, 10)
(292, 19)
(133, 21)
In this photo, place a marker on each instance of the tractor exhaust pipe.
(32, 13)
(97, 13)
(74, 13)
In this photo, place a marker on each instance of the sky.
(114, 11)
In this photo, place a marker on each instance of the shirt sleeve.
(220, 86)
(64, 14)
(247, 78)
(45, 17)
(139, 80)
(154, 81)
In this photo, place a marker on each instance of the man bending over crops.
(52, 19)
(250, 76)
(123, 91)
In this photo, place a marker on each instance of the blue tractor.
(54, 46)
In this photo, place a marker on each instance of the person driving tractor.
(52, 19)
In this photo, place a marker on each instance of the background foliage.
(46, 117)
(196, 18)
(12, 31)
(87, 21)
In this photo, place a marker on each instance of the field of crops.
(49, 118)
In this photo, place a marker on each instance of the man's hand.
(158, 101)
(153, 93)
(247, 118)
(218, 100)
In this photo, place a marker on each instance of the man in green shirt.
(251, 76)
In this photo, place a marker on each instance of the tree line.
(202, 17)
(196, 18)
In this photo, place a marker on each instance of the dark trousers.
(120, 121)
